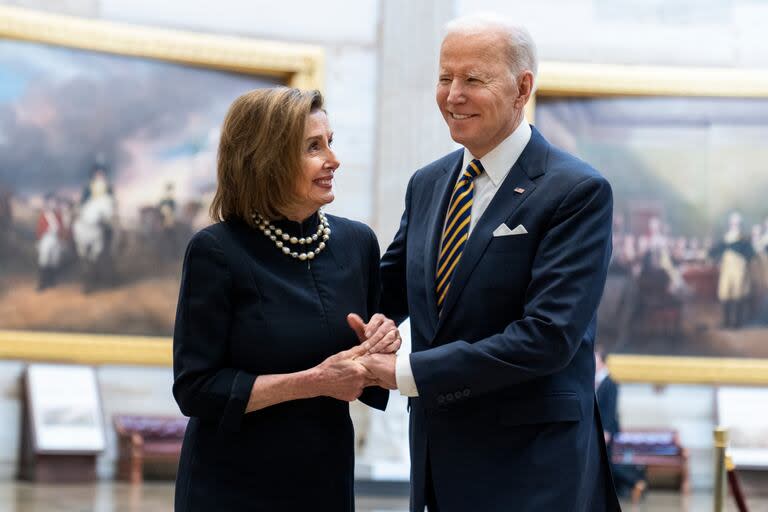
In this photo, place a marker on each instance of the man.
(734, 286)
(50, 242)
(499, 261)
(630, 480)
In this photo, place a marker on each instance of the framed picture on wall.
(686, 299)
(108, 138)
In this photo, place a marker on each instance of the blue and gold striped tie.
(456, 229)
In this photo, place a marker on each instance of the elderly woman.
(264, 358)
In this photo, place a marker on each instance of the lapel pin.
(519, 190)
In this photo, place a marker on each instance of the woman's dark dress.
(246, 309)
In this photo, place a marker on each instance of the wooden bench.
(659, 451)
(140, 439)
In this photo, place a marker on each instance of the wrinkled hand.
(379, 335)
(343, 377)
(381, 367)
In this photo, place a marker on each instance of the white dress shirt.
(496, 165)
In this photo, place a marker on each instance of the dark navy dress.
(246, 309)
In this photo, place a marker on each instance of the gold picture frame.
(558, 79)
(298, 65)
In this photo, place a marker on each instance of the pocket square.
(503, 230)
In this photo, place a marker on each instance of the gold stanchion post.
(721, 442)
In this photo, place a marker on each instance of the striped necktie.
(456, 229)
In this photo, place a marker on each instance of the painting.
(687, 285)
(108, 139)
(107, 167)
(689, 273)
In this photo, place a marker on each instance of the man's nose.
(456, 92)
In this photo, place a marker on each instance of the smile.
(324, 182)
(460, 117)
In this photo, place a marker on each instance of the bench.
(659, 451)
(140, 439)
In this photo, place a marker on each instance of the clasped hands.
(371, 363)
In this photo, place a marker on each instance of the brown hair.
(259, 156)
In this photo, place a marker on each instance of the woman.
(264, 361)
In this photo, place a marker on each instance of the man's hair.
(259, 157)
(521, 50)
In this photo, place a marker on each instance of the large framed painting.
(686, 298)
(108, 137)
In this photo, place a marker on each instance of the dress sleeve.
(205, 384)
(374, 396)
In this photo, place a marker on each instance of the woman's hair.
(260, 152)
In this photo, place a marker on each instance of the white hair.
(521, 50)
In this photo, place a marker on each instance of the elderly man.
(500, 261)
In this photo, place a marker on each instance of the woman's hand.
(380, 335)
(343, 378)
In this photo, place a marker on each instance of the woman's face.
(314, 187)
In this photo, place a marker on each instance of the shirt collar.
(500, 159)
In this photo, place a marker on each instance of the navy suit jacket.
(506, 409)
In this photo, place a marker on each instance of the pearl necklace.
(280, 238)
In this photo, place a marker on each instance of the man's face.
(478, 96)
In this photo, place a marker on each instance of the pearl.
(282, 239)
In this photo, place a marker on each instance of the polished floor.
(158, 497)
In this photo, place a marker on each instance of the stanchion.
(735, 485)
(721, 441)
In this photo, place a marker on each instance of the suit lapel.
(529, 166)
(442, 188)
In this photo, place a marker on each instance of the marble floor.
(158, 497)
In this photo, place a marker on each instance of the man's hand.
(380, 335)
(381, 367)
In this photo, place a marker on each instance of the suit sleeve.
(608, 406)
(394, 289)
(205, 385)
(374, 396)
(567, 278)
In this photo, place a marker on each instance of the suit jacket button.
(466, 393)
(440, 399)
(458, 395)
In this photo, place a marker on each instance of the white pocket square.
(503, 230)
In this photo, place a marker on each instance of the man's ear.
(524, 88)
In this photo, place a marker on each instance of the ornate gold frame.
(303, 66)
(570, 79)
(297, 64)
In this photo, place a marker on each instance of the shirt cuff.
(406, 384)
